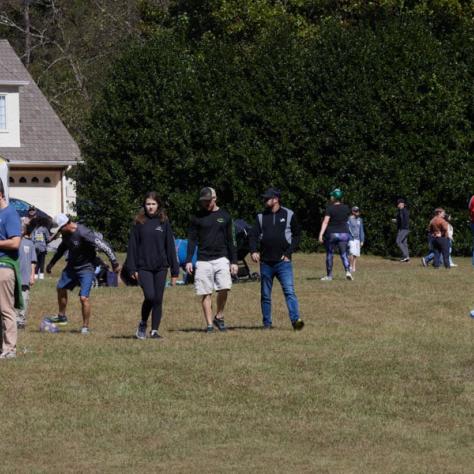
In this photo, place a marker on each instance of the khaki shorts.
(212, 275)
(354, 248)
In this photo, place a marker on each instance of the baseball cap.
(31, 208)
(59, 221)
(400, 201)
(271, 193)
(337, 193)
(207, 194)
(355, 209)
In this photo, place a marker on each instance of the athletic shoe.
(219, 323)
(20, 324)
(141, 331)
(59, 319)
(41, 276)
(8, 355)
(209, 329)
(154, 335)
(349, 276)
(326, 278)
(85, 330)
(453, 265)
(298, 324)
(424, 262)
(405, 260)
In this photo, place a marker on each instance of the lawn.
(381, 380)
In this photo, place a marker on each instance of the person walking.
(212, 230)
(81, 244)
(27, 260)
(10, 279)
(151, 252)
(403, 229)
(356, 229)
(439, 230)
(335, 234)
(471, 219)
(277, 233)
(40, 236)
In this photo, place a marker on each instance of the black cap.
(31, 208)
(207, 194)
(401, 201)
(271, 193)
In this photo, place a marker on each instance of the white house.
(34, 142)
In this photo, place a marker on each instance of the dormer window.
(3, 113)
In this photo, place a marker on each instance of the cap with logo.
(59, 221)
(337, 193)
(207, 194)
(271, 193)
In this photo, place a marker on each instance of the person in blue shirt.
(10, 282)
(356, 229)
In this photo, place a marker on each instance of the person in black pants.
(151, 251)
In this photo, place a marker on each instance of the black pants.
(153, 286)
(441, 247)
(41, 259)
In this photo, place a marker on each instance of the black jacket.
(278, 234)
(151, 247)
(403, 219)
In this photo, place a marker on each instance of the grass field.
(381, 380)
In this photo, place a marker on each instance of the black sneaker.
(298, 325)
(20, 325)
(61, 320)
(219, 324)
(209, 329)
(154, 335)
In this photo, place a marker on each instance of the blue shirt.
(10, 226)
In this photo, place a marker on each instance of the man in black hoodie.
(278, 233)
(403, 228)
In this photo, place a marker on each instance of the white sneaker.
(349, 276)
(326, 278)
(85, 330)
(41, 276)
(8, 355)
(36, 276)
(453, 265)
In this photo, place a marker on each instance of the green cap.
(337, 193)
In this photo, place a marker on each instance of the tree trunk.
(27, 21)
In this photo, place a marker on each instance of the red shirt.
(471, 209)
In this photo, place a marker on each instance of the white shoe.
(349, 276)
(36, 276)
(326, 278)
(41, 276)
(85, 330)
(453, 265)
(8, 355)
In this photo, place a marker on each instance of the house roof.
(43, 136)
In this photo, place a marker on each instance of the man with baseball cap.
(278, 233)
(212, 230)
(403, 229)
(81, 244)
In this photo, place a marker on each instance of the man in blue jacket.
(278, 233)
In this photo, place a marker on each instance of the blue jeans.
(340, 241)
(472, 230)
(430, 257)
(284, 273)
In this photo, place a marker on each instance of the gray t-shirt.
(27, 255)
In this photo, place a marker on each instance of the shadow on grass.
(229, 328)
(122, 336)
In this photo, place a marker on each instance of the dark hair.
(2, 189)
(142, 216)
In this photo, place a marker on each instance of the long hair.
(142, 216)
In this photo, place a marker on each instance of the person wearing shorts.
(212, 230)
(335, 234)
(356, 229)
(81, 244)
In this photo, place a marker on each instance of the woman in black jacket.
(151, 251)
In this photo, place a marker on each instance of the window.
(22, 179)
(3, 113)
(35, 180)
(11, 180)
(47, 180)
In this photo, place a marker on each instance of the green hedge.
(382, 111)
